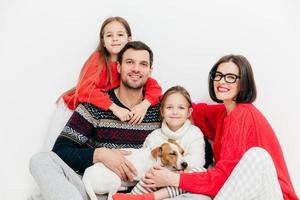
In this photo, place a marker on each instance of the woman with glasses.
(249, 162)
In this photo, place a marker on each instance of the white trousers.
(254, 177)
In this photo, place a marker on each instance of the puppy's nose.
(184, 165)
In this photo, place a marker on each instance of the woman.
(249, 162)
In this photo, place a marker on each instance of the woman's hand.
(139, 112)
(159, 176)
(122, 113)
(115, 160)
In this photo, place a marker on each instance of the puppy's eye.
(173, 154)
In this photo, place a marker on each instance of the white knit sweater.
(189, 137)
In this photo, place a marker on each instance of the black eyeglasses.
(229, 78)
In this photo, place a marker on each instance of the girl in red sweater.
(99, 74)
(249, 162)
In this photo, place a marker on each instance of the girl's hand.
(122, 113)
(139, 112)
(159, 176)
(115, 160)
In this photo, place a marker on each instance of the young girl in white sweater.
(176, 108)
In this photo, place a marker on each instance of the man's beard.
(128, 85)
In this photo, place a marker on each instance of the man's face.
(135, 68)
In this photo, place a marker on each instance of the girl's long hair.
(103, 59)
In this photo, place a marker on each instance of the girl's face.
(228, 87)
(176, 111)
(115, 37)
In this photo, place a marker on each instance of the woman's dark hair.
(247, 93)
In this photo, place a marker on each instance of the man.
(93, 135)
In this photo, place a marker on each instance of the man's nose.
(136, 67)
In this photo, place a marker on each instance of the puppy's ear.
(172, 141)
(179, 147)
(157, 152)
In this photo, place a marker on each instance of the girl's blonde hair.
(175, 89)
(104, 57)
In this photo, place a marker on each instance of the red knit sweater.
(233, 135)
(92, 91)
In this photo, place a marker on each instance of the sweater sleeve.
(92, 94)
(206, 117)
(195, 153)
(72, 145)
(237, 136)
(151, 140)
(77, 157)
(88, 90)
(152, 91)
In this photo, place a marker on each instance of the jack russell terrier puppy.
(98, 179)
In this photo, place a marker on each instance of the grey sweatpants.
(57, 181)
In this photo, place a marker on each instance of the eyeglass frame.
(223, 76)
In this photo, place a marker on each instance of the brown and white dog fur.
(98, 179)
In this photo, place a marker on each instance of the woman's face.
(227, 88)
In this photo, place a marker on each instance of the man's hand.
(115, 160)
(139, 112)
(122, 113)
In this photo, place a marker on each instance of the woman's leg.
(55, 178)
(254, 177)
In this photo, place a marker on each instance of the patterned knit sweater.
(90, 127)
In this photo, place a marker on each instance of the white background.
(43, 45)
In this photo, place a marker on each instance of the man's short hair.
(136, 45)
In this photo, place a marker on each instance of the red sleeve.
(237, 136)
(152, 91)
(94, 95)
(207, 117)
(88, 91)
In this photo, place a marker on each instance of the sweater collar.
(169, 134)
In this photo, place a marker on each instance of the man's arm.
(77, 157)
(72, 145)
